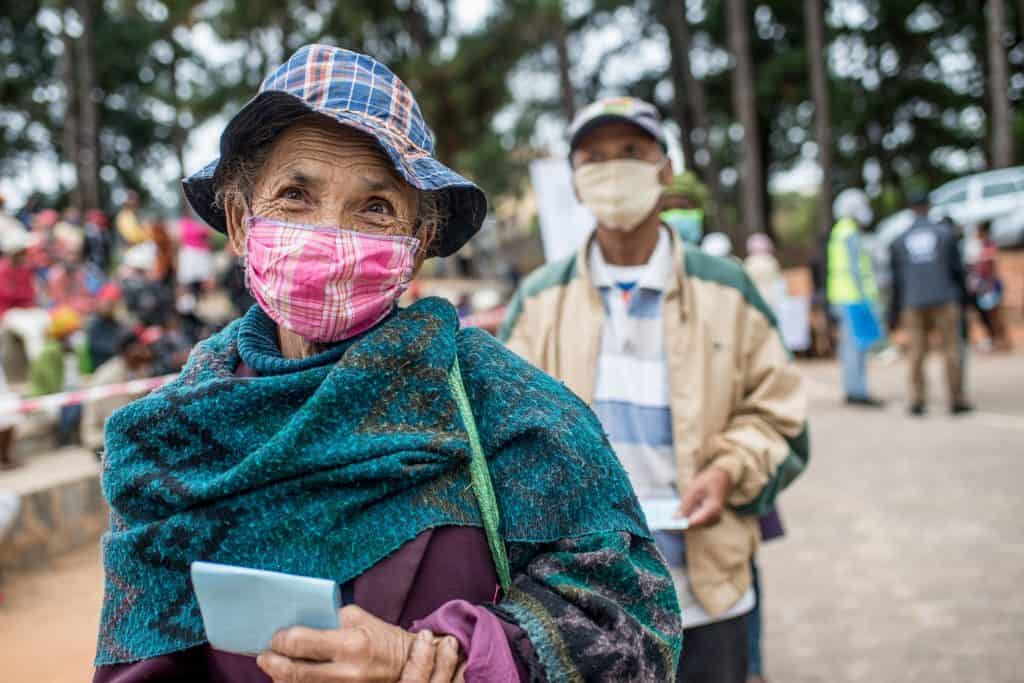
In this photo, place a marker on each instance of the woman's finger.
(280, 669)
(300, 642)
(446, 660)
(420, 663)
(284, 670)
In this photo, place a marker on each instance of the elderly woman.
(469, 506)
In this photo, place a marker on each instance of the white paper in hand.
(661, 514)
(243, 608)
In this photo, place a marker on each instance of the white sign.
(794, 314)
(564, 222)
(662, 514)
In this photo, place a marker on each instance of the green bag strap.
(480, 477)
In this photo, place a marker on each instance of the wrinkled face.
(617, 140)
(321, 173)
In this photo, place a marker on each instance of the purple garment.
(488, 655)
(442, 578)
(771, 525)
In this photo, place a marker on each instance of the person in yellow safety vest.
(851, 280)
(682, 207)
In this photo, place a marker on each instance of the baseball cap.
(642, 114)
(918, 197)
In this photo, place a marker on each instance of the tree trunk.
(69, 136)
(764, 122)
(88, 155)
(686, 84)
(1000, 119)
(679, 105)
(561, 39)
(744, 99)
(1020, 17)
(178, 135)
(814, 18)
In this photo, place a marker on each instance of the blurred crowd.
(89, 300)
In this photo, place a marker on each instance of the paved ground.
(905, 554)
(904, 559)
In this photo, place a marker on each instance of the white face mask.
(620, 193)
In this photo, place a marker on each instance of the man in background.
(683, 203)
(130, 230)
(681, 363)
(928, 286)
(851, 282)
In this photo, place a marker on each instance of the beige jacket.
(736, 398)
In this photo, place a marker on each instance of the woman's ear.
(234, 211)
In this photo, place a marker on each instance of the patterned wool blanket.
(323, 467)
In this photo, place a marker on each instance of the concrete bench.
(62, 507)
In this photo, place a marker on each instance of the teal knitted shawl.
(322, 467)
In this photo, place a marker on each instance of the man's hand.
(705, 497)
(363, 650)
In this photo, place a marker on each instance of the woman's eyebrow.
(303, 178)
(378, 183)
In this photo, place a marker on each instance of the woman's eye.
(381, 206)
(291, 194)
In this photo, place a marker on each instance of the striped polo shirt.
(631, 392)
(631, 398)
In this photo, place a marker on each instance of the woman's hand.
(363, 650)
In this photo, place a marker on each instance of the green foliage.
(795, 217)
(27, 62)
(907, 79)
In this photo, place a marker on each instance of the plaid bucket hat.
(357, 91)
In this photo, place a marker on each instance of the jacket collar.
(675, 289)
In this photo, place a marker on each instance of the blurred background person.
(59, 367)
(130, 230)
(683, 203)
(28, 210)
(148, 299)
(105, 332)
(98, 240)
(985, 290)
(764, 269)
(233, 282)
(17, 276)
(8, 423)
(195, 255)
(166, 263)
(132, 360)
(195, 272)
(928, 285)
(70, 280)
(851, 282)
(717, 244)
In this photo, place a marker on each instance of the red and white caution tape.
(68, 398)
(487, 319)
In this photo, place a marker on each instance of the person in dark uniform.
(928, 288)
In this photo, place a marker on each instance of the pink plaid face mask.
(322, 283)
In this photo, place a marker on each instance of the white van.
(981, 197)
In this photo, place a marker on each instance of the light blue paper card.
(243, 608)
(661, 514)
